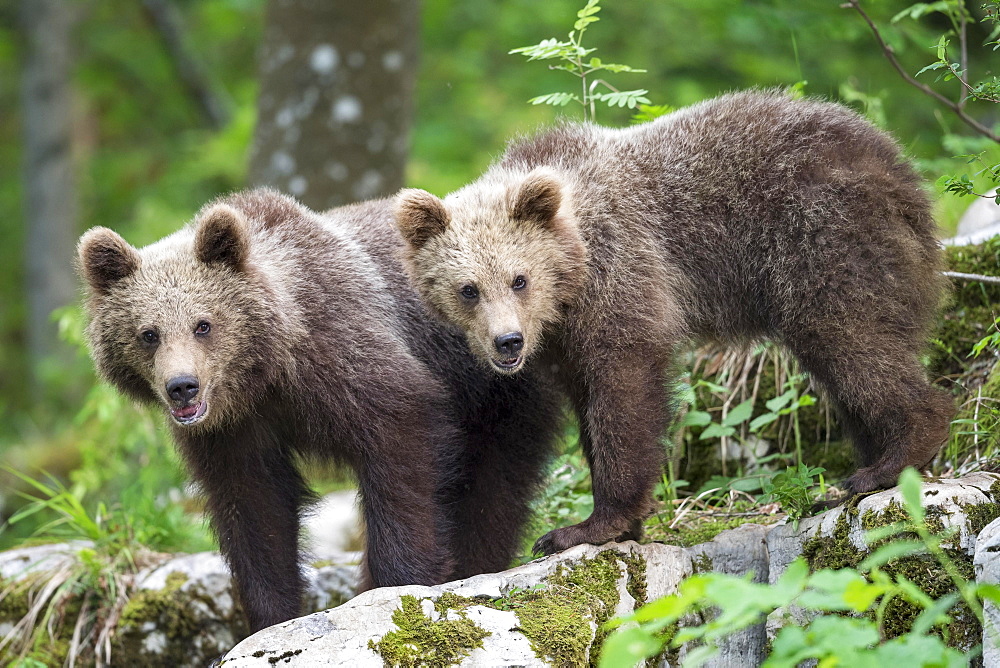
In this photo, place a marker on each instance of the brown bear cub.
(751, 216)
(269, 333)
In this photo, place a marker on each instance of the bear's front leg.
(404, 523)
(254, 494)
(621, 402)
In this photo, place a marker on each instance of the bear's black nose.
(182, 388)
(509, 344)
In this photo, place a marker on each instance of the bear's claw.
(588, 531)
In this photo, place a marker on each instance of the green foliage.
(574, 59)
(94, 584)
(848, 607)
(958, 17)
(792, 488)
(991, 340)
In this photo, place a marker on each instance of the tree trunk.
(336, 98)
(50, 208)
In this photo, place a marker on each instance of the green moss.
(837, 550)
(170, 611)
(558, 618)
(695, 533)
(964, 630)
(420, 641)
(981, 514)
(971, 310)
(702, 564)
(558, 628)
(164, 606)
(559, 621)
(449, 601)
(635, 569)
(14, 605)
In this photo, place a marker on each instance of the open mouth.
(188, 415)
(509, 364)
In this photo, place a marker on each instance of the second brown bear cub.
(748, 217)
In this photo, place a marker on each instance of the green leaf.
(739, 414)
(624, 98)
(935, 615)
(716, 430)
(837, 590)
(920, 9)
(890, 552)
(696, 419)
(555, 99)
(779, 402)
(910, 483)
(881, 533)
(697, 656)
(626, 647)
(591, 8)
(762, 421)
(616, 67)
(989, 592)
(712, 387)
(648, 112)
(806, 400)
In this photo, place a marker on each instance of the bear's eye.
(150, 337)
(519, 283)
(203, 328)
(470, 292)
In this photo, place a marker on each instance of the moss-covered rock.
(955, 509)
(971, 308)
(422, 642)
(545, 613)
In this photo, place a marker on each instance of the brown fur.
(747, 217)
(317, 346)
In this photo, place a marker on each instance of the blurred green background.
(145, 160)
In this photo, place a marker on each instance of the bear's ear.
(419, 216)
(539, 197)
(222, 237)
(105, 258)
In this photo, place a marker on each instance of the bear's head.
(184, 322)
(499, 259)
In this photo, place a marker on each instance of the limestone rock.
(182, 611)
(987, 567)
(21, 562)
(504, 618)
(737, 552)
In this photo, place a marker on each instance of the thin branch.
(966, 87)
(163, 15)
(972, 277)
(963, 59)
(890, 54)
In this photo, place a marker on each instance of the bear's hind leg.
(884, 402)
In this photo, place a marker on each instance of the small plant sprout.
(574, 59)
